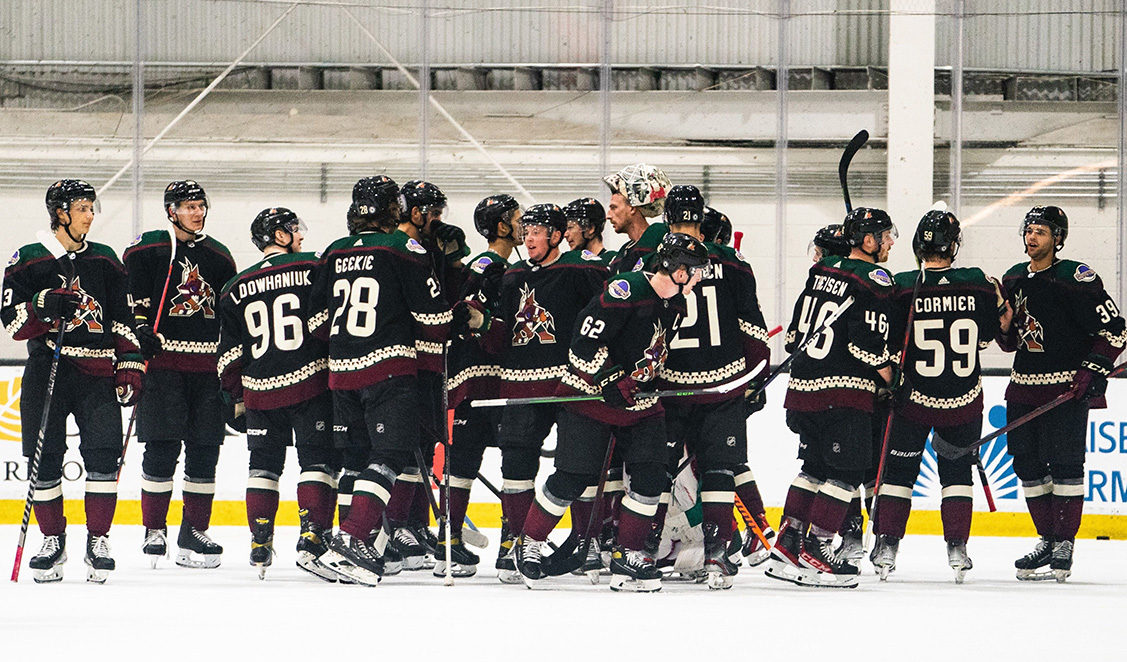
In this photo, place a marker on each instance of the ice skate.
(608, 540)
(754, 551)
(719, 569)
(852, 546)
(99, 563)
(311, 546)
(783, 563)
(1061, 562)
(353, 558)
(262, 546)
(832, 571)
(593, 565)
(405, 542)
(429, 541)
(155, 545)
(506, 565)
(633, 570)
(958, 560)
(197, 550)
(530, 561)
(463, 562)
(1028, 566)
(47, 564)
(883, 557)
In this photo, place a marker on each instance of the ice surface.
(918, 614)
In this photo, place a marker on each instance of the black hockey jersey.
(723, 334)
(632, 255)
(474, 373)
(374, 294)
(189, 321)
(840, 369)
(266, 356)
(629, 326)
(100, 334)
(1061, 315)
(956, 316)
(537, 312)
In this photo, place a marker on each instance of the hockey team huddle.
(647, 362)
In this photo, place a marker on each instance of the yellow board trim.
(488, 515)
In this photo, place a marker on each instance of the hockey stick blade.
(854, 145)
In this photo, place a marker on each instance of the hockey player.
(1067, 332)
(267, 362)
(617, 348)
(716, 227)
(828, 241)
(540, 301)
(182, 403)
(830, 398)
(586, 219)
(956, 314)
(64, 280)
(722, 338)
(474, 373)
(637, 193)
(373, 296)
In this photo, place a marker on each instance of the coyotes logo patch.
(89, 313)
(193, 294)
(533, 321)
(647, 367)
(1030, 331)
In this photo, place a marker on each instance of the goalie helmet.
(681, 250)
(828, 241)
(491, 211)
(864, 221)
(547, 215)
(715, 227)
(587, 213)
(938, 234)
(264, 225)
(1052, 217)
(684, 204)
(643, 186)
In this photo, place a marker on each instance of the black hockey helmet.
(1052, 217)
(491, 211)
(263, 226)
(182, 191)
(715, 227)
(864, 221)
(684, 204)
(938, 234)
(587, 213)
(828, 241)
(375, 201)
(548, 215)
(65, 191)
(424, 195)
(678, 249)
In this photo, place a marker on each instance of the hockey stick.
(737, 239)
(577, 559)
(843, 166)
(806, 342)
(156, 328)
(985, 485)
(554, 400)
(33, 470)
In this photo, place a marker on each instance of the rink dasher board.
(772, 449)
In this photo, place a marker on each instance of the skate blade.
(826, 580)
(355, 574)
(392, 568)
(50, 576)
(535, 584)
(510, 577)
(456, 570)
(783, 571)
(627, 584)
(757, 558)
(718, 581)
(593, 575)
(188, 559)
(475, 538)
(1034, 576)
(261, 571)
(313, 566)
(884, 571)
(412, 563)
(95, 576)
(1061, 575)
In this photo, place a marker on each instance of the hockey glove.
(150, 341)
(755, 398)
(469, 317)
(234, 411)
(1090, 381)
(489, 294)
(893, 393)
(451, 240)
(127, 376)
(57, 304)
(617, 387)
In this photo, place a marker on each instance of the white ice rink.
(174, 613)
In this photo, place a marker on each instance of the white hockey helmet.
(643, 186)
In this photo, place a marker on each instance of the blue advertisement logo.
(995, 460)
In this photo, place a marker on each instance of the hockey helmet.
(275, 218)
(424, 195)
(547, 215)
(491, 211)
(684, 204)
(182, 191)
(65, 191)
(937, 234)
(828, 241)
(643, 186)
(587, 213)
(1052, 217)
(864, 221)
(678, 249)
(375, 200)
(715, 227)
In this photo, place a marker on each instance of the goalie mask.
(643, 186)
